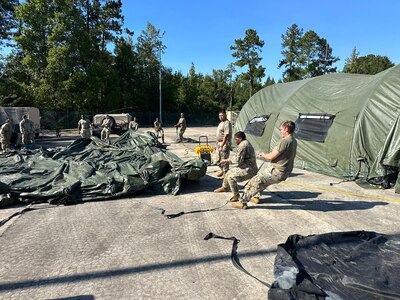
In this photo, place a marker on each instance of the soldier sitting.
(246, 168)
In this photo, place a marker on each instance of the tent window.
(313, 127)
(256, 125)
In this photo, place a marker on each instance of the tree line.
(77, 55)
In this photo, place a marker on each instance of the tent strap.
(234, 255)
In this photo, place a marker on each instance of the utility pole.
(159, 86)
(160, 49)
(230, 71)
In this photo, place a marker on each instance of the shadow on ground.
(298, 200)
(206, 183)
(66, 279)
(296, 174)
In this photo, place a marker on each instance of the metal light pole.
(159, 75)
(159, 86)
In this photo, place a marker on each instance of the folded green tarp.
(91, 169)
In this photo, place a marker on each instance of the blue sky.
(202, 31)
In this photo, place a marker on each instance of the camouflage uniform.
(276, 171)
(182, 125)
(105, 132)
(84, 128)
(24, 128)
(133, 125)
(224, 128)
(31, 131)
(158, 129)
(5, 136)
(246, 168)
(260, 182)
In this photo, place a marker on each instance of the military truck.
(119, 123)
(15, 114)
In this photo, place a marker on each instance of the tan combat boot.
(255, 200)
(221, 190)
(239, 205)
(220, 173)
(235, 198)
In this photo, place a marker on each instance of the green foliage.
(125, 63)
(269, 81)
(76, 55)
(215, 91)
(246, 52)
(13, 82)
(188, 92)
(305, 55)
(370, 64)
(242, 90)
(291, 52)
(64, 49)
(149, 54)
(8, 22)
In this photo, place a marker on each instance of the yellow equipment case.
(204, 151)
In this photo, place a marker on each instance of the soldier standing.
(223, 146)
(5, 135)
(106, 124)
(182, 125)
(31, 131)
(134, 125)
(246, 168)
(84, 127)
(158, 129)
(24, 128)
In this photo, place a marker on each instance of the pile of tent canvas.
(91, 169)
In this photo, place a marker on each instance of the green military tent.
(347, 125)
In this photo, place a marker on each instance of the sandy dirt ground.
(126, 249)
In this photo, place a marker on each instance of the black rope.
(234, 255)
(21, 212)
(341, 181)
(172, 216)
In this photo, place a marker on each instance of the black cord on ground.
(21, 212)
(234, 255)
(172, 216)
